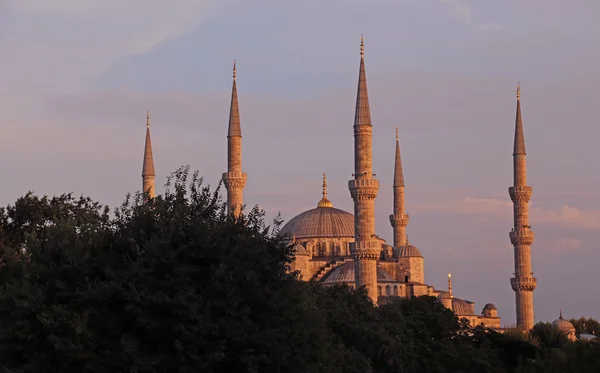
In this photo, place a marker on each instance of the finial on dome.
(147, 118)
(234, 71)
(362, 45)
(560, 317)
(324, 202)
(407, 243)
(519, 91)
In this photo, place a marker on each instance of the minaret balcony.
(522, 283)
(399, 220)
(520, 193)
(521, 237)
(363, 189)
(234, 180)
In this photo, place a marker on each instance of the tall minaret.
(399, 219)
(148, 166)
(521, 236)
(363, 189)
(234, 179)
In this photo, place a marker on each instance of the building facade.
(337, 247)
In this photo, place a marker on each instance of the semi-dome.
(444, 295)
(299, 249)
(407, 250)
(461, 307)
(344, 274)
(564, 325)
(489, 306)
(322, 221)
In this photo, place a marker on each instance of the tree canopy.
(175, 284)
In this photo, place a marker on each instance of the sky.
(77, 77)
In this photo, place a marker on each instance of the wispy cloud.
(568, 216)
(58, 45)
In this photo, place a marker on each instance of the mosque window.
(395, 290)
(388, 290)
(405, 278)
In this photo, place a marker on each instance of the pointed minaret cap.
(235, 128)
(398, 173)
(325, 202)
(148, 166)
(362, 116)
(519, 148)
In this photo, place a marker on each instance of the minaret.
(234, 179)
(363, 189)
(399, 219)
(148, 166)
(450, 285)
(521, 236)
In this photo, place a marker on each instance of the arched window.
(388, 290)
(379, 290)
(395, 290)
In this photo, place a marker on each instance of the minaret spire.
(521, 236)
(234, 179)
(363, 189)
(148, 172)
(399, 219)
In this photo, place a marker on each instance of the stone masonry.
(399, 219)
(521, 236)
(234, 179)
(363, 190)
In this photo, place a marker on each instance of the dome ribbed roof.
(321, 222)
(490, 306)
(408, 250)
(564, 325)
(344, 274)
(461, 307)
(444, 295)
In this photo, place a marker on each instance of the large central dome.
(321, 222)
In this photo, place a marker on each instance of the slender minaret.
(363, 189)
(450, 285)
(234, 179)
(399, 219)
(148, 166)
(521, 236)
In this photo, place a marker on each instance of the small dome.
(344, 274)
(461, 307)
(407, 250)
(489, 306)
(299, 249)
(564, 325)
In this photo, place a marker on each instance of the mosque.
(334, 247)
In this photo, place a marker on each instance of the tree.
(548, 335)
(172, 284)
(586, 326)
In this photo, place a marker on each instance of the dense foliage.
(174, 284)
